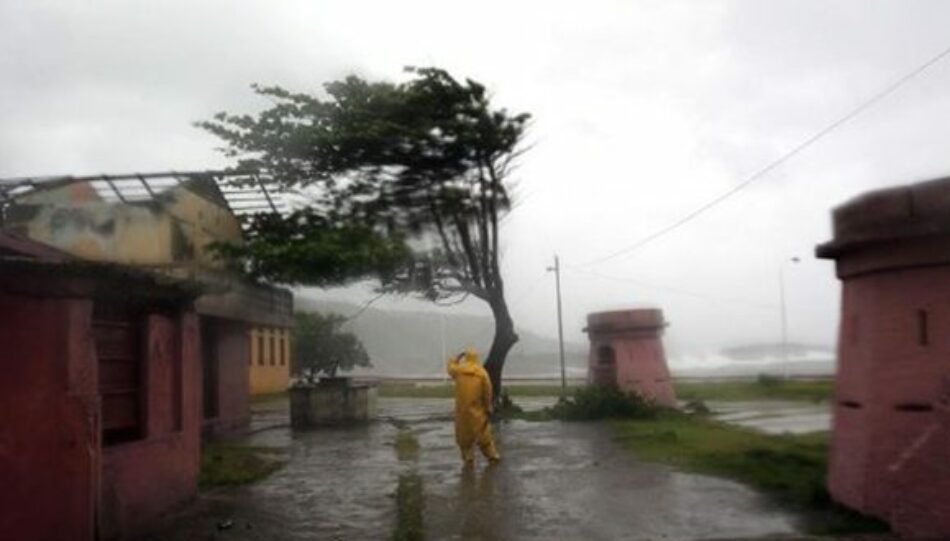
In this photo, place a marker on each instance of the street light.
(781, 294)
(556, 269)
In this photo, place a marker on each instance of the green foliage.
(382, 162)
(790, 468)
(320, 346)
(595, 402)
(229, 465)
(406, 183)
(306, 248)
(783, 389)
(769, 380)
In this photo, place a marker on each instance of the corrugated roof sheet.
(243, 192)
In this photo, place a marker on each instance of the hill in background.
(403, 343)
(410, 343)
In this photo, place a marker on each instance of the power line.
(524, 296)
(890, 89)
(675, 290)
(364, 307)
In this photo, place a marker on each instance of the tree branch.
(364, 307)
(460, 300)
(469, 250)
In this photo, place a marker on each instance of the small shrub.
(592, 403)
(697, 407)
(769, 380)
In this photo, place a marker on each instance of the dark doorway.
(115, 330)
(209, 369)
(604, 371)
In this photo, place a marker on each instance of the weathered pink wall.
(892, 253)
(56, 477)
(886, 379)
(922, 509)
(233, 387)
(49, 429)
(635, 336)
(143, 479)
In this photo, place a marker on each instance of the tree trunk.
(505, 338)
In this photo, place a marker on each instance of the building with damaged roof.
(167, 224)
(100, 419)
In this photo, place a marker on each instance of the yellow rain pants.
(473, 405)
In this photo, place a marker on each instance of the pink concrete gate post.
(890, 452)
(626, 350)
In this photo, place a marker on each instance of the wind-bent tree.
(321, 346)
(408, 183)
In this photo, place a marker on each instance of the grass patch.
(410, 506)
(789, 468)
(593, 403)
(412, 390)
(587, 404)
(761, 389)
(229, 465)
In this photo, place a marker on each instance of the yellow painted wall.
(104, 232)
(175, 229)
(203, 223)
(270, 360)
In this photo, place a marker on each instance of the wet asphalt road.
(557, 481)
(775, 416)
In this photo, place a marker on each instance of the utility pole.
(560, 322)
(445, 375)
(781, 297)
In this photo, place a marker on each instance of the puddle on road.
(775, 417)
(407, 445)
(410, 508)
(405, 480)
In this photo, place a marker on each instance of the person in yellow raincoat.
(473, 406)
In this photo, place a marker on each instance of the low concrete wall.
(328, 404)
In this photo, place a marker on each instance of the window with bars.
(923, 328)
(285, 347)
(252, 344)
(260, 348)
(273, 348)
(117, 331)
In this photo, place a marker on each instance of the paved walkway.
(775, 416)
(557, 481)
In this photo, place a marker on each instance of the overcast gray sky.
(643, 111)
